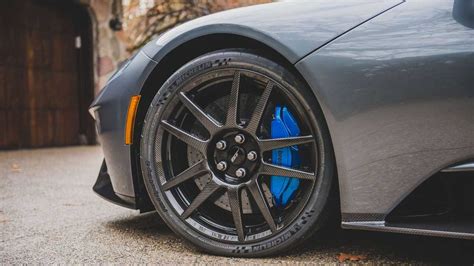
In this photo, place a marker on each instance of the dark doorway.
(46, 74)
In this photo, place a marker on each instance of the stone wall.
(144, 19)
(109, 45)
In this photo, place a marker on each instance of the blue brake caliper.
(284, 125)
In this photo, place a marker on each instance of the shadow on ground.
(375, 245)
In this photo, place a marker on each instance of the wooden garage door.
(40, 90)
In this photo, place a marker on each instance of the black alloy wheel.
(206, 155)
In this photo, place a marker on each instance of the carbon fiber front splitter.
(103, 187)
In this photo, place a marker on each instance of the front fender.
(109, 110)
(293, 29)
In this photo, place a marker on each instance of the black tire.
(314, 204)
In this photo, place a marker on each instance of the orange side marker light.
(132, 112)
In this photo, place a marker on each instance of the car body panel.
(110, 112)
(294, 29)
(398, 96)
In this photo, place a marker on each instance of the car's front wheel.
(236, 156)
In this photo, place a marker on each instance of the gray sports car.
(251, 130)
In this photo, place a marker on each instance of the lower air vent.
(446, 195)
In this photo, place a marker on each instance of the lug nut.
(240, 172)
(252, 156)
(221, 145)
(239, 139)
(221, 166)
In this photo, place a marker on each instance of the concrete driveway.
(49, 214)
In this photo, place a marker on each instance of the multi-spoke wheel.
(207, 161)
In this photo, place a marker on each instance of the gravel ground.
(49, 214)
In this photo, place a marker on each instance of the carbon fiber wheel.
(206, 155)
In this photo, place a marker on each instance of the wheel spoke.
(232, 109)
(271, 144)
(205, 193)
(196, 170)
(272, 169)
(235, 206)
(207, 121)
(262, 204)
(186, 137)
(260, 108)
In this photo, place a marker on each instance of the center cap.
(229, 156)
(237, 155)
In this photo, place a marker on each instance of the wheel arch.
(176, 58)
